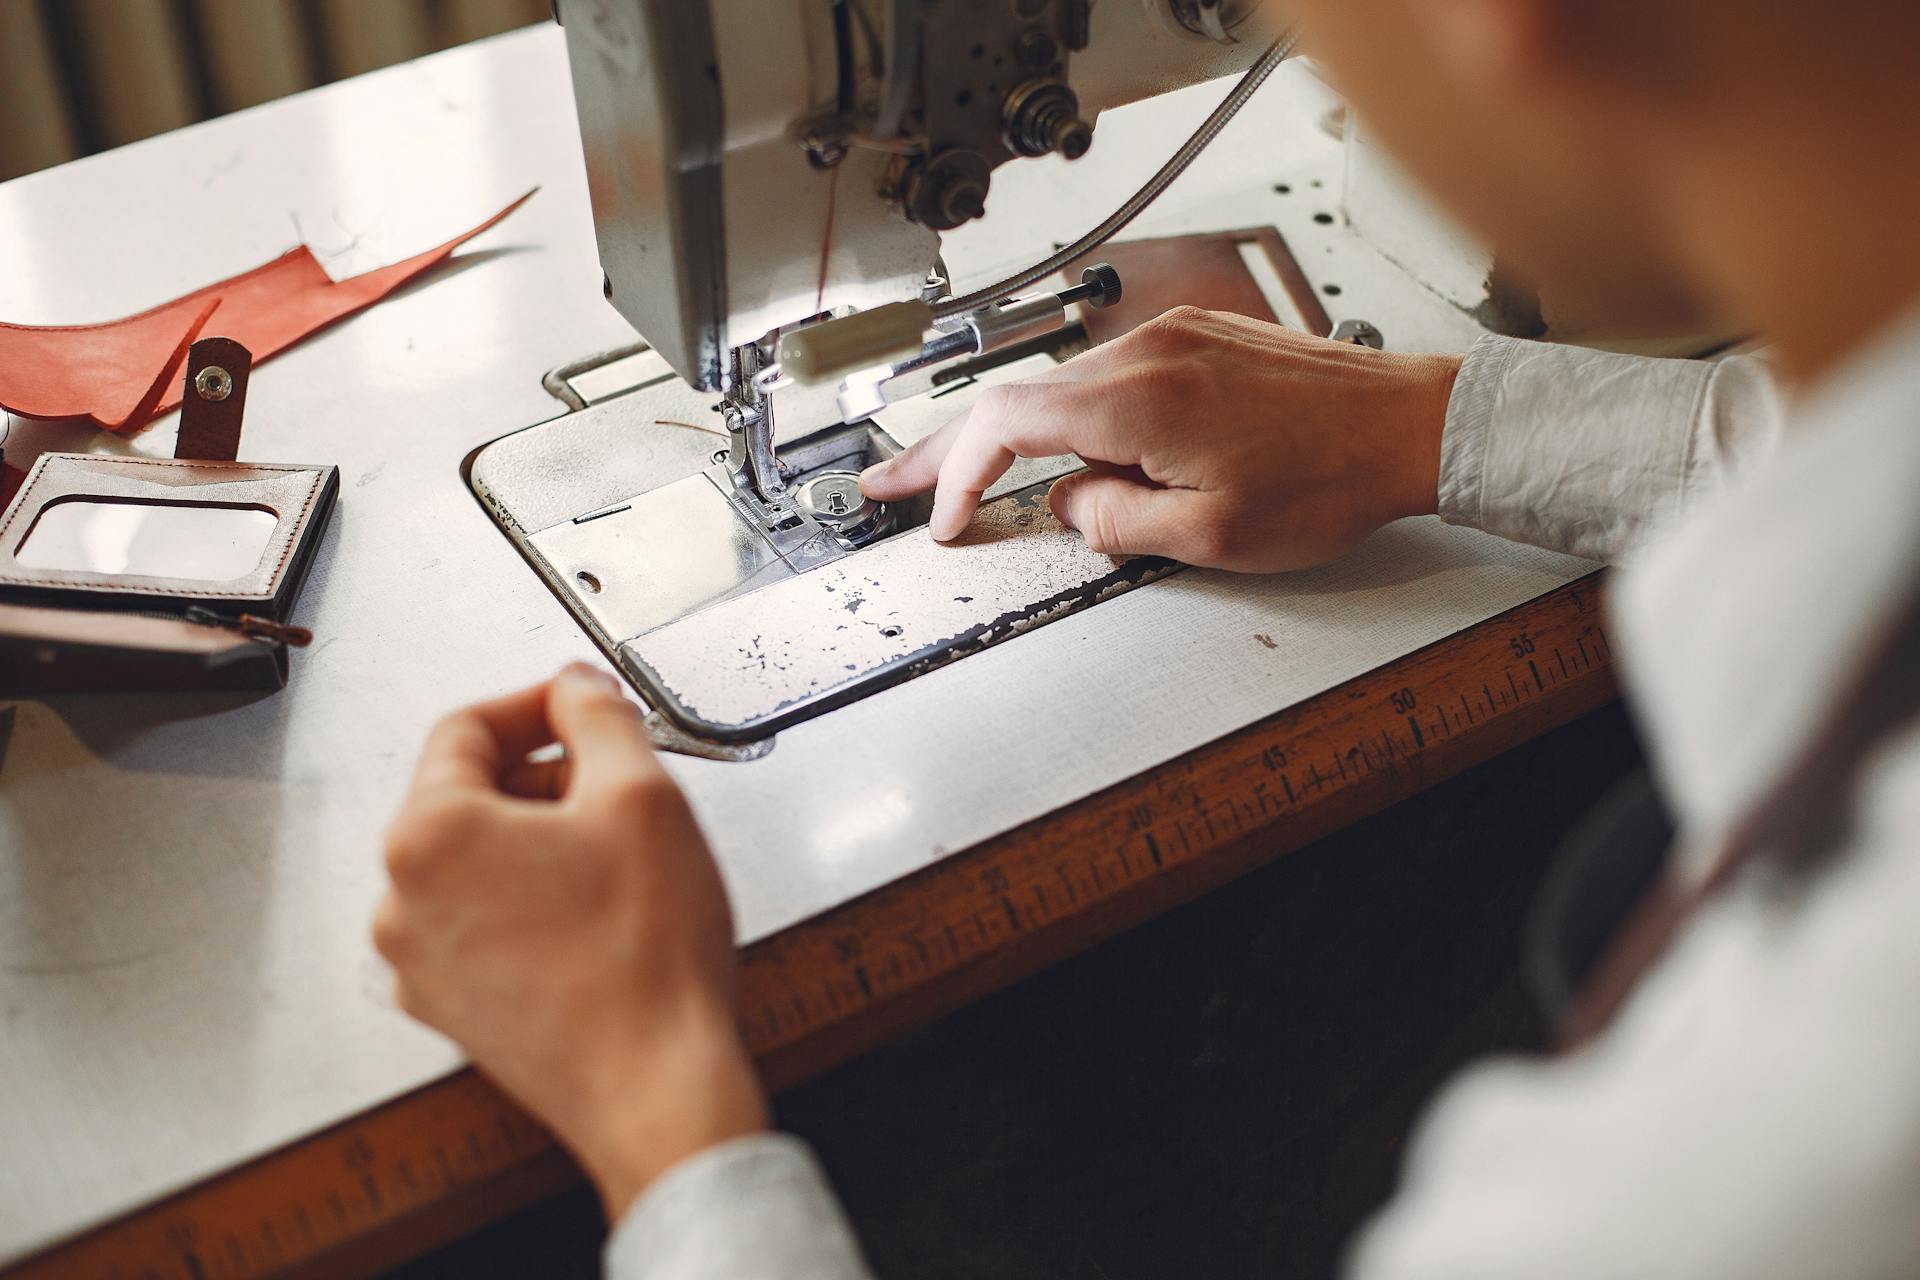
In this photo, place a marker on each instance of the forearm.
(1591, 453)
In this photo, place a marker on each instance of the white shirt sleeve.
(756, 1208)
(1749, 1116)
(1589, 452)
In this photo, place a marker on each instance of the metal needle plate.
(756, 663)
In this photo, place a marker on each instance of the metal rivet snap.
(213, 383)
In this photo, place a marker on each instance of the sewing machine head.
(755, 164)
(770, 179)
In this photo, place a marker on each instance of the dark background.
(1223, 1092)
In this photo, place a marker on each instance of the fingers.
(1119, 516)
(476, 746)
(606, 744)
(977, 457)
(546, 778)
(485, 747)
(963, 459)
(915, 470)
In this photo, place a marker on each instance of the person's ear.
(1491, 42)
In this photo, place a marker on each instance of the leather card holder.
(300, 500)
(121, 572)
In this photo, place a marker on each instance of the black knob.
(1103, 282)
(1099, 287)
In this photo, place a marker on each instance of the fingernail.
(585, 674)
(874, 472)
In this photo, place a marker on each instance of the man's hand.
(1208, 437)
(565, 922)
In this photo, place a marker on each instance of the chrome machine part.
(992, 87)
(1043, 117)
(754, 481)
(1361, 333)
(748, 410)
(990, 329)
(997, 327)
(748, 667)
(756, 162)
(834, 500)
(1209, 129)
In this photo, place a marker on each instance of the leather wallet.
(156, 573)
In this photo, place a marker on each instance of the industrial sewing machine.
(770, 182)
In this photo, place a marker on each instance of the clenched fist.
(1208, 437)
(565, 922)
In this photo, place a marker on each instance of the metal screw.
(1359, 333)
(826, 144)
(213, 383)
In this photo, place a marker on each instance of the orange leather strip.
(123, 374)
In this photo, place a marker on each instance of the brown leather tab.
(1203, 270)
(216, 400)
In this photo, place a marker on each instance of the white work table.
(186, 881)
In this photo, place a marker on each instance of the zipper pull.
(249, 625)
(267, 628)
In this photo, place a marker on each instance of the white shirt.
(1754, 1111)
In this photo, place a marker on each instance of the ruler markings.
(829, 987)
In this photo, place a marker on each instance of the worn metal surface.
(186, 882)
(657, 555)
(591, 501)
(752, 664)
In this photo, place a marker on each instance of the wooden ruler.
(421, 1170)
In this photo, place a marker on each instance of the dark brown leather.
(1206, 271)
(300, 497)
(89, 651)
(215, 400)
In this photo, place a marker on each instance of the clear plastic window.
(196, 541)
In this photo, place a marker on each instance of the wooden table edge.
(420, 1170)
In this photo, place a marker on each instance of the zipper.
(246, 624)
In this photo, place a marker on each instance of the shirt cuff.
(1574, 450)
(1463, 441)
(755, 1208)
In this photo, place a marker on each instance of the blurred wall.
(78, 76)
